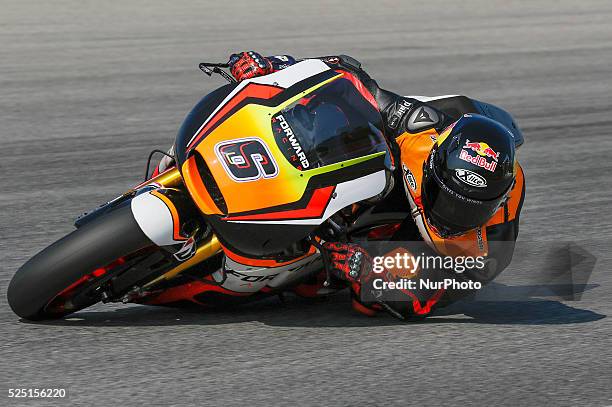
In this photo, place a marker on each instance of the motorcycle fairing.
(263, 87)
(262, 212)
(241, 278)
(249, 127)
(162, 214)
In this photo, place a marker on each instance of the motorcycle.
(252, 172)
(238, 172)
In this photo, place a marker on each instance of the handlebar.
(216, 67)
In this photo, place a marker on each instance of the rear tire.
(50, 272)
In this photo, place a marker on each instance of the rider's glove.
(349, 262)
(246, 65)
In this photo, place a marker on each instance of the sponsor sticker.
(332, 60)
(422, 118)
(470, 178)
(409, 177)
(289, 143)
(479, 238)
(396, 117)
(246, 159)
(186, 251)
(483, 151)
(247, 280)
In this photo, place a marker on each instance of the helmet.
(468, 174)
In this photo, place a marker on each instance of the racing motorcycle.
(253, 171)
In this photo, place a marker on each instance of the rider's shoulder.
(414, 115)
(454, 106)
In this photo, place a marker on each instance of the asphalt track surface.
(88, 88)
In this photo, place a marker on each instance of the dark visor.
(449, 212)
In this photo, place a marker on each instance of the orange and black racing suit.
(412, 125)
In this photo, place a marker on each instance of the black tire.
(93, 245)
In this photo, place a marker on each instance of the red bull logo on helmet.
(483, 151)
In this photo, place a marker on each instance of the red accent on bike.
(418, 201)
(72, 286)
(360, 87)
(251, 90)
(188, 291)
(383, 232)
(315, 208)
(99, 272)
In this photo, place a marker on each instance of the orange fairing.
(317, 204)
(284, 187)
(196, 188)
(252, 90)
(279, 184)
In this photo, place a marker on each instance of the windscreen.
(335, 123)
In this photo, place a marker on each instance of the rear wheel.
(67, 276)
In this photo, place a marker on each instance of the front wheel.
(64, 277)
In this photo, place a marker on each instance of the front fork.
(167, 215)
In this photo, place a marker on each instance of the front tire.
(71, 259)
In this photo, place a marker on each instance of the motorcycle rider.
(459, 174)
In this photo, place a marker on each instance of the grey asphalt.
(88, 88)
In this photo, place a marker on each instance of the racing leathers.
(412, 125)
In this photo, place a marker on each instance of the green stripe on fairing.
(342, 164)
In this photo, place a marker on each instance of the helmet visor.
(449, 212)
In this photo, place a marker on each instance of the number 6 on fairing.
(246, 159)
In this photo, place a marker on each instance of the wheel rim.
(62, 302)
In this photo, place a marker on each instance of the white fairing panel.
(248, 279)
(154, 218)
(430, 98)
(292, 74)
(283, 78)
(346, 193)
